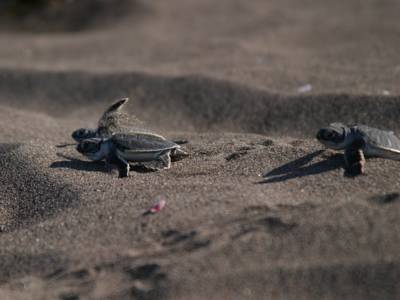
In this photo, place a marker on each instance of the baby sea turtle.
(121, 148)
(357, 141)
(111, 122)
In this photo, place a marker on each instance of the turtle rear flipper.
(354, 158)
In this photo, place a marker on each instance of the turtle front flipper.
(111, 118)
(116, 106)
(122, 165)
(354, 158)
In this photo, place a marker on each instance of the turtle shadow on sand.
(303, 166)
(77, 164)
(91, 166)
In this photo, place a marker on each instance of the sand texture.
(224, 75)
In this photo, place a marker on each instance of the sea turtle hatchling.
(111, 122)
(357, 141)
(120, 149)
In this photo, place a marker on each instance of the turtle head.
(83, 133)
(93, 148)
(335, 136)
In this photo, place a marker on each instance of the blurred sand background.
(226, 75)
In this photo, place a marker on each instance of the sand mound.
(195, 103)
(27, 195)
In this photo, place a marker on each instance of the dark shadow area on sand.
(20, 264)
(29, 196)
(383, 199)
(77, 164)
(92, 166)
(301, 167)
(64, 15)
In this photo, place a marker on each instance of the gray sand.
(224, 76)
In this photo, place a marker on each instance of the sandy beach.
(248, 84)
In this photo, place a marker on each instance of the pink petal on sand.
(157, 207)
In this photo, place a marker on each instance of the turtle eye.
(78, 133)
(82, 132)
(330, 135)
